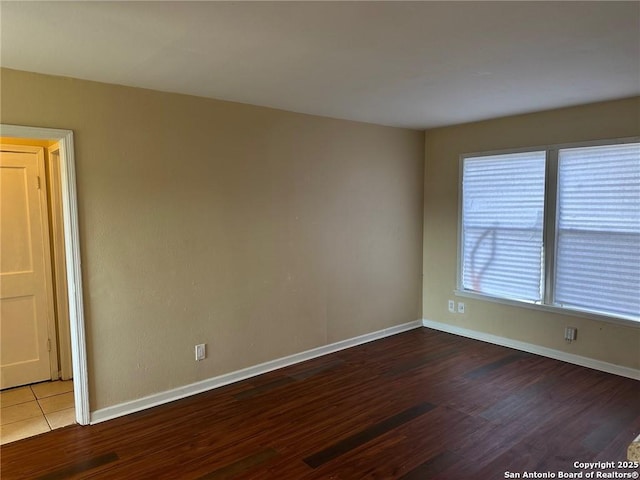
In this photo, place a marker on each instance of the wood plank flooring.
(418, 405)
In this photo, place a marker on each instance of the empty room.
(319, 240)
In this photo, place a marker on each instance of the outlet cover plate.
(201, 352)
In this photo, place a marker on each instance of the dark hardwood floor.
(418, 405)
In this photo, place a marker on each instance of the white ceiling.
(409, 64)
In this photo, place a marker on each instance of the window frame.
(548, 236)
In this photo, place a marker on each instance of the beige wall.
(598, 340)
(259, 232)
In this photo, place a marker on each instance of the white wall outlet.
(201, 352)
(460, 307)
(452, 306)
(570, 334)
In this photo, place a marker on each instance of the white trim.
(551, 146)
(537, 349)
(542, 307)
(54, 182)
(72, 254)
(161, 398)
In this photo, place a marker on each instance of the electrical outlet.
(201, 352)
(570, 334)
(452, 306)
(460, 307)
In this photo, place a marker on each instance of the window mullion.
(550, 216)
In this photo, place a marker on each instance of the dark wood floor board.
(349, 408)
(570, 381)
(404, 448)
(520, 373)
(617, 447)
(60, 449)
(80, 468)
(549, 389)
(423, 347)
(487, 442)
(489, 368)
(232, 421)
(614, 415)
(445, 429)
(461, 470)
(312, 371)
(407, 367)
(241, 466)
(382, 458)
(440, 370)
(191, 443)
(133, 440)
(197, 450)
(474, 395)
(257, 391)
(426, 438)
(533, 416)
(491, 409)
(520, 457)
(532, 402)
(279, 468)
(347, 420)
(462, 394)
(599, 430)
(213, 464)
(432, 467)
(366, 435)
(620, 442)
(527, 421)
(227, 431)
(600, 438)
(165, 438)
(358, 408)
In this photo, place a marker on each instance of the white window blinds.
(502, 225)
(598, 229)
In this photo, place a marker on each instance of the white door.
(26, 300)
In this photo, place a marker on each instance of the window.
(502, 225)
(558, 227)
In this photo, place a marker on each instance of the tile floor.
(33, 409)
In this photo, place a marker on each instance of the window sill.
(627, 322)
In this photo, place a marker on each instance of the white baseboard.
(137, 405)
(537, 349)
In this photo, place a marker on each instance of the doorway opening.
(70, 358)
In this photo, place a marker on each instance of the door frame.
(72, 256)
(56, 227)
